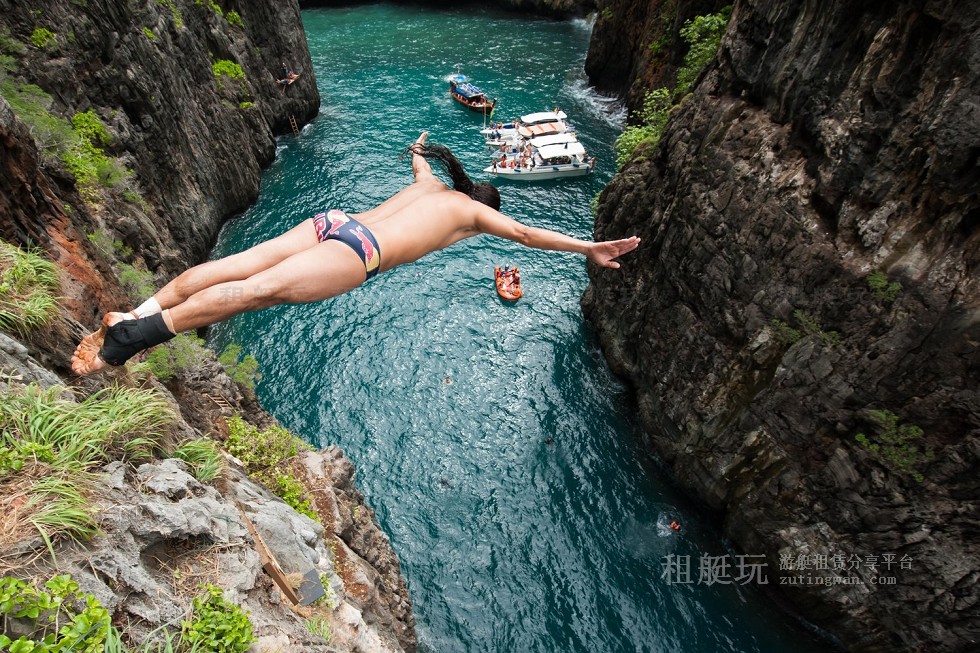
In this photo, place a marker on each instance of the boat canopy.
(543, 116)
(469, 91)
(461, 85)
(561, 149)
(541, 129)
(553, 139)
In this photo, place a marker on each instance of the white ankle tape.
(149, 307)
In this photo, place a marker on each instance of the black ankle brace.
(125, 339)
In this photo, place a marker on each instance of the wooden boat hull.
(478, 107)
(472, 98)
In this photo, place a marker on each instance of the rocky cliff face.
(636, 46)
(196, 143)
(162, 533)
(808, 274)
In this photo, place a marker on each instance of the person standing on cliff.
(327, 255)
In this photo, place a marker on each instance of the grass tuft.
(203, 456)
(28, 290)
(50, 447)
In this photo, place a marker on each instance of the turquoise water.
(498, 450)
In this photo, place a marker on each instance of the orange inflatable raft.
(508, 287)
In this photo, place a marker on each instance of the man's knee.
(264, 296)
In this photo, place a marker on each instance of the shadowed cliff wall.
(830, 141)
(195, 142)
(636, 46)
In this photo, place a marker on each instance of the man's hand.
(603, 253)
(420, 167)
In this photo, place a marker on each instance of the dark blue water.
(445, 397)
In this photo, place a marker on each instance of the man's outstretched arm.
(493, 222)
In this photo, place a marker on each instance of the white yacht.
(554, 157)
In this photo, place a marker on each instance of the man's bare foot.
(86, 359)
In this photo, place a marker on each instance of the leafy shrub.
(653, 120)
(288, 488)
(895, 445)
(812, 328)
(137, 283)
(88, 125)
(243, 370)
(84, 160)
(261, 450)
(217, 625)
(215, 7)
(228, 69)
(234, 19)
(28, 287)
(266, 455)
(42, 38)
(879, 285)
(785, 334)
(149, 34)
(703, 36)
(183, 352)
(61, 617)
(174, 12)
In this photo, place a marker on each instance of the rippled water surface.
(498, 450)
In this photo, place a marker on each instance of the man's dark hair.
(483, 192)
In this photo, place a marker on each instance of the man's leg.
(238, 266)
(329, 269)
(230, 268)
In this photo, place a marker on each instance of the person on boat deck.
(327, 255)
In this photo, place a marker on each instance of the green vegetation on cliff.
(267, 456)
(228, 69)
(703, 36)
(882, 288)
(42, 37)
(59, 617)
(217, 625)
(896, 445)
(76, 143)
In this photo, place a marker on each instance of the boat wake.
(608, 109)
(586, 23)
